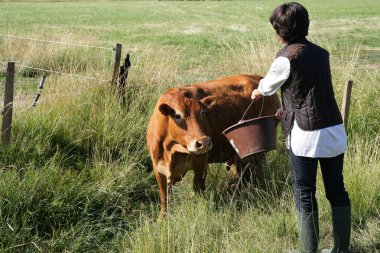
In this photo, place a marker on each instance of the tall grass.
(77, 177)
(57, 57)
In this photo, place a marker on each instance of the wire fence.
(23, 96)
(55, 42)
(27, 97)
(60, 43)
(62, 73)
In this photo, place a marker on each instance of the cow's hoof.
(162, 216)
(233, 188)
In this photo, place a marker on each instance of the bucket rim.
(244, 122)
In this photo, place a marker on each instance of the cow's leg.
(258, 167)
(169, 183)
(236, 169)
(200, 172)
(248, 171)
(230, 163)
(252, 170)
(162, 184)
(242, 173)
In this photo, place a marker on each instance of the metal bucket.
(252, 136)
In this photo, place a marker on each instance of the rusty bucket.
(252, 136)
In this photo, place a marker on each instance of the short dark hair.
(290, 20)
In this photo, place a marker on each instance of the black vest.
(307, 95)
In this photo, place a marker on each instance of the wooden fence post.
(8, 104)
(116, 65)
(346, 101)
(123, 75)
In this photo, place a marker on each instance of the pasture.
(77, 177)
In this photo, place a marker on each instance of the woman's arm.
(277, 75)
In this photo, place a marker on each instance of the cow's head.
(188, 124)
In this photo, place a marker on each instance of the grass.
(77, 177)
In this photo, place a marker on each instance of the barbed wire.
(55, 42)
(58, 72)
(22, 108)
(63, 73)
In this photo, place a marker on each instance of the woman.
(312, 125)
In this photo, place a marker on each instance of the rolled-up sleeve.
(277, 75)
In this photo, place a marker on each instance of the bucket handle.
(249, 106)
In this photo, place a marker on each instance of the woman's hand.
(256, 95)
(279, 113)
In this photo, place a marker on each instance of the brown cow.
(184, 132)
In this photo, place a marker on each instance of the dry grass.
(77, 177)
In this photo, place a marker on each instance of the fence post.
(123, 75)
(346, 101)
(8, 104)
(116, 65)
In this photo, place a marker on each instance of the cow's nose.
(200, 145)
(204, 143)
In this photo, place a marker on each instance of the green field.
(77, 177)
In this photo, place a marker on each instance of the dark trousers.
(304, 174)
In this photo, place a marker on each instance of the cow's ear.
(209, 101)
(166, 110)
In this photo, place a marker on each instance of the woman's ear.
(166, 110)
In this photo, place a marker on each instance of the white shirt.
(325, 142)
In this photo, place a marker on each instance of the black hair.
(290, 20)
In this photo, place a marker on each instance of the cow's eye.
(177, 116)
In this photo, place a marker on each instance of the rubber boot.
(309, 231)
(341, 218)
